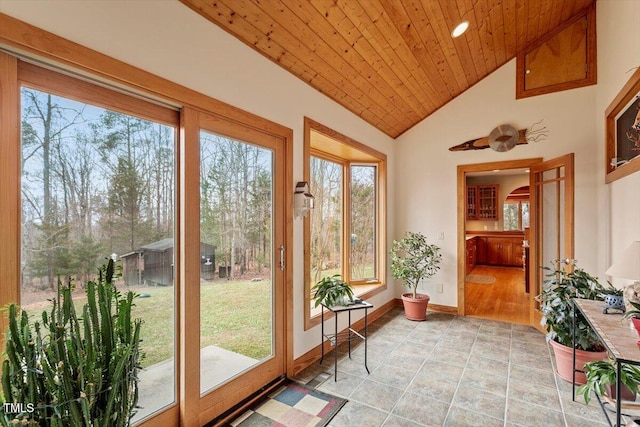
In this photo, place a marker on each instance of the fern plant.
(332, 291)
(74, 370)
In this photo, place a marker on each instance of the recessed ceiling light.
(496, 170)
(460, 29)
(526, 171)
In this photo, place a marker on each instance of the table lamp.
(628, 267)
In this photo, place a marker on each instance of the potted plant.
(332, 291)
(634, 315)
(412, 260)
(566, 281)
(601, 379)
(74, 370)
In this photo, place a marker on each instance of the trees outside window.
(345, 233)
(516, 215)
(99, 184)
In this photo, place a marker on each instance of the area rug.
(292, 405)
(480, 279)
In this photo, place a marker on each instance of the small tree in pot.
(414, 259)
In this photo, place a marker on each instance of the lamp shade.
(628, 264)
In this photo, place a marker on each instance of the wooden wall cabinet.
(565, 59)
(482, 202)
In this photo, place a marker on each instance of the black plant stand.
(347, 335)
(620, 342)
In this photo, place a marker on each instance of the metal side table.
(347, 335)
(620, 342)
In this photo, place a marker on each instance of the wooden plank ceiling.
(391, 62)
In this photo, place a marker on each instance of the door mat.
(292, 405)
(480, 279)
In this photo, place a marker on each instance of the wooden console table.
(620, 341)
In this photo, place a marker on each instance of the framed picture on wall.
(623, 131)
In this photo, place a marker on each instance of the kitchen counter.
(494, 233)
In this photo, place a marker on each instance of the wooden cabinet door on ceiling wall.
(564, 60)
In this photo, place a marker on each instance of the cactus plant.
(71, 369)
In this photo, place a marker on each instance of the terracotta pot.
(636, 324)
(415, 308)
(628, 395)
(564, 359)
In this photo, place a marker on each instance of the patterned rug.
(292, 405)
(480, 279)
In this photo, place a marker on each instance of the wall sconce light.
(302, 200)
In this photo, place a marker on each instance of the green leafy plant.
(635, 312)
(332, 291)
(74, 371)
(414, 259)
(612, 290)
(566, 281)
(602, 373)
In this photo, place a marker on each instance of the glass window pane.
(236, 260)
(99, 184)
(363, 222)
(525, 214)
(510, 214)
(326, 219)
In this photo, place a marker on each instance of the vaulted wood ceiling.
(391, 62)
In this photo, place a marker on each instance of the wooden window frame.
(347, 152)
(23, 40)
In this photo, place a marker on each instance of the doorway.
(491, 274)
(552, 225)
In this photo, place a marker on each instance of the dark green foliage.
(635, 312)
(332, 291)
(76, 371)
(565, 281)
(602, 373)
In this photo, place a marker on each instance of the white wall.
(426, 169)
(169, 40)
(618, 57)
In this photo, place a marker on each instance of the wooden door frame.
(566, 215)
(462, 171)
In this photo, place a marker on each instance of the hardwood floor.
(504, 300)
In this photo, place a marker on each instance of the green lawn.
(235, 315)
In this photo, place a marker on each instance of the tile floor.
(452, 371)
